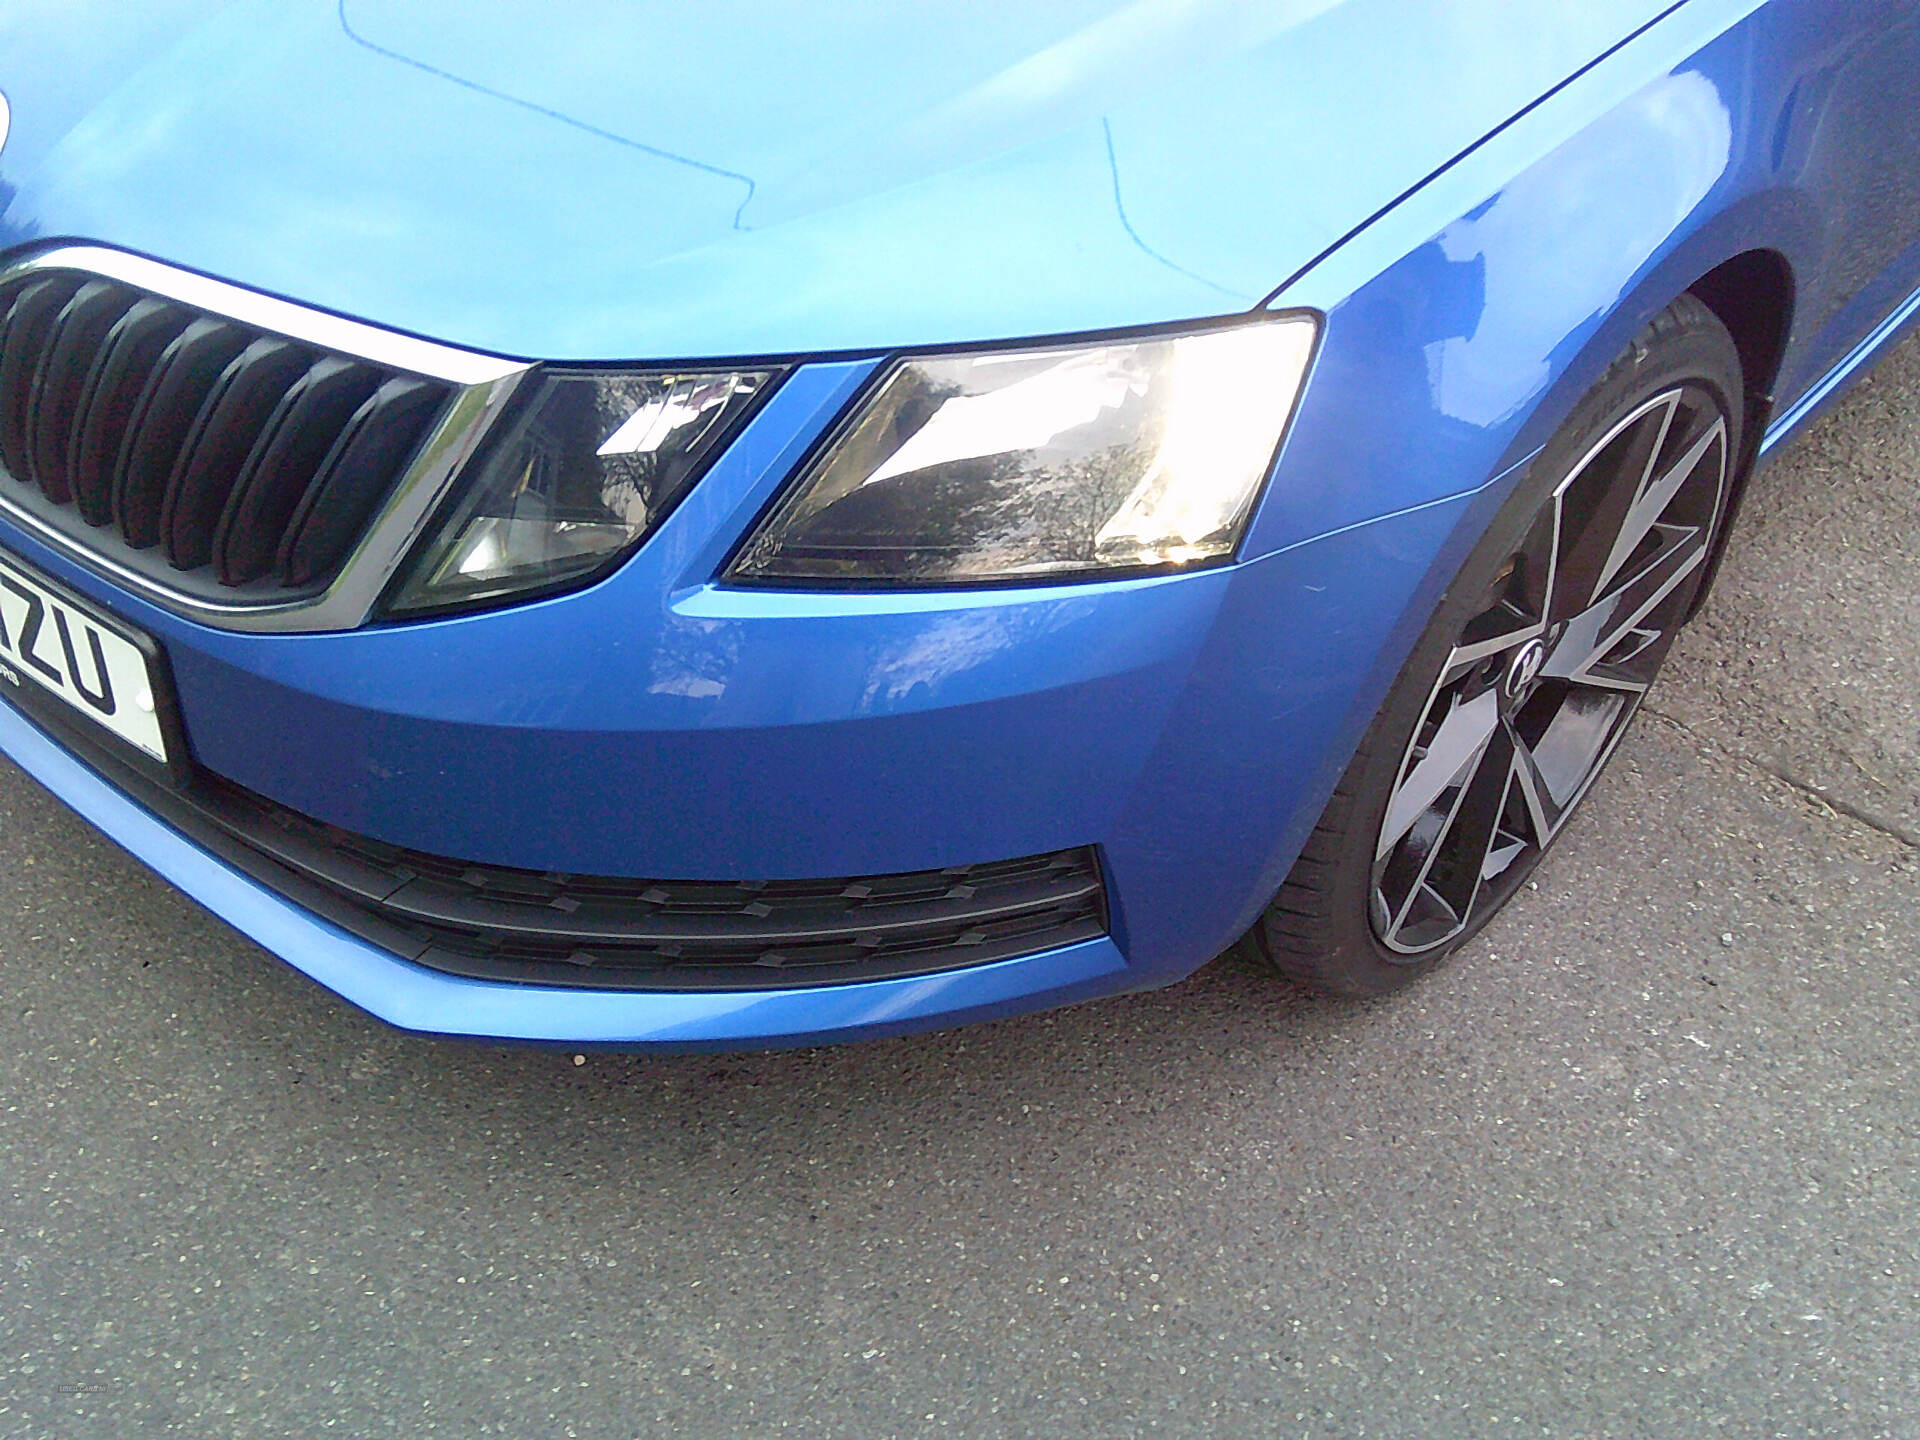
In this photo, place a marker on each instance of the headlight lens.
(593, 463)
(1005, 465)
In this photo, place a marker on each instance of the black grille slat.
(127, 356)
(201, 451)
(293, 448)
(29, 319)
(801, 921)
(225, 432)
(354, 476)
(60, 380)
(187, 373)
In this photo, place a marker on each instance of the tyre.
(1528, 674)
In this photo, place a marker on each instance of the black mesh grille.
(201, 451)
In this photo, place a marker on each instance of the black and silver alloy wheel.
(1540, 685)
(1528, 673)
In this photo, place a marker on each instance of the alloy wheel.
(1541, 683)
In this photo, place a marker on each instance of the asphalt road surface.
(1643, 1163)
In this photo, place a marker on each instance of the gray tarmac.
(1643, 1163)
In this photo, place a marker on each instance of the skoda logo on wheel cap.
(1525, 667)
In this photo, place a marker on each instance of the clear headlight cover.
(1014, 464)
(592, 464)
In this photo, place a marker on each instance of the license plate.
(47, 640)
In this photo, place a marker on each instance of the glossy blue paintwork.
(1483, 205)
(724, 178)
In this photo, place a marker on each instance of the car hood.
(619, 180)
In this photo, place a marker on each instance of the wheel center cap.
(1524, 668)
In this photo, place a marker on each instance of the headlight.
(1013, 464)
(592, 464)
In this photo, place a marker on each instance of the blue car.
(730, 525)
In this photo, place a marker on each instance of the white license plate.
(48, 641)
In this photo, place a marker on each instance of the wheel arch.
(1753, 295)
(1740, 265)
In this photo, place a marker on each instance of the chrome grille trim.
(483, 384)
(282, 317)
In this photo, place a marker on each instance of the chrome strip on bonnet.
(484, 385)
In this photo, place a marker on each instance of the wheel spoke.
(1543, 555)
(1543, 811)
(1459, 861)
(1520, 613)
(1455, 746)
(1593, 634)
(1609, 677)
(1597, 500)
(1470, 654)
(1434, 841)
(1657, 496)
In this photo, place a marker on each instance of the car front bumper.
(1188, 727)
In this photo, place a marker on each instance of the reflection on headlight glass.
(1143, 454)
(592, 465)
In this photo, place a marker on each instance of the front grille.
(207, 453)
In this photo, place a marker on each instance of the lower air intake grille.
(202, 451)
(669, 934)
(585, 930)
(542, 928)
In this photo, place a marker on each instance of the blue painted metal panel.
(720, 179)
